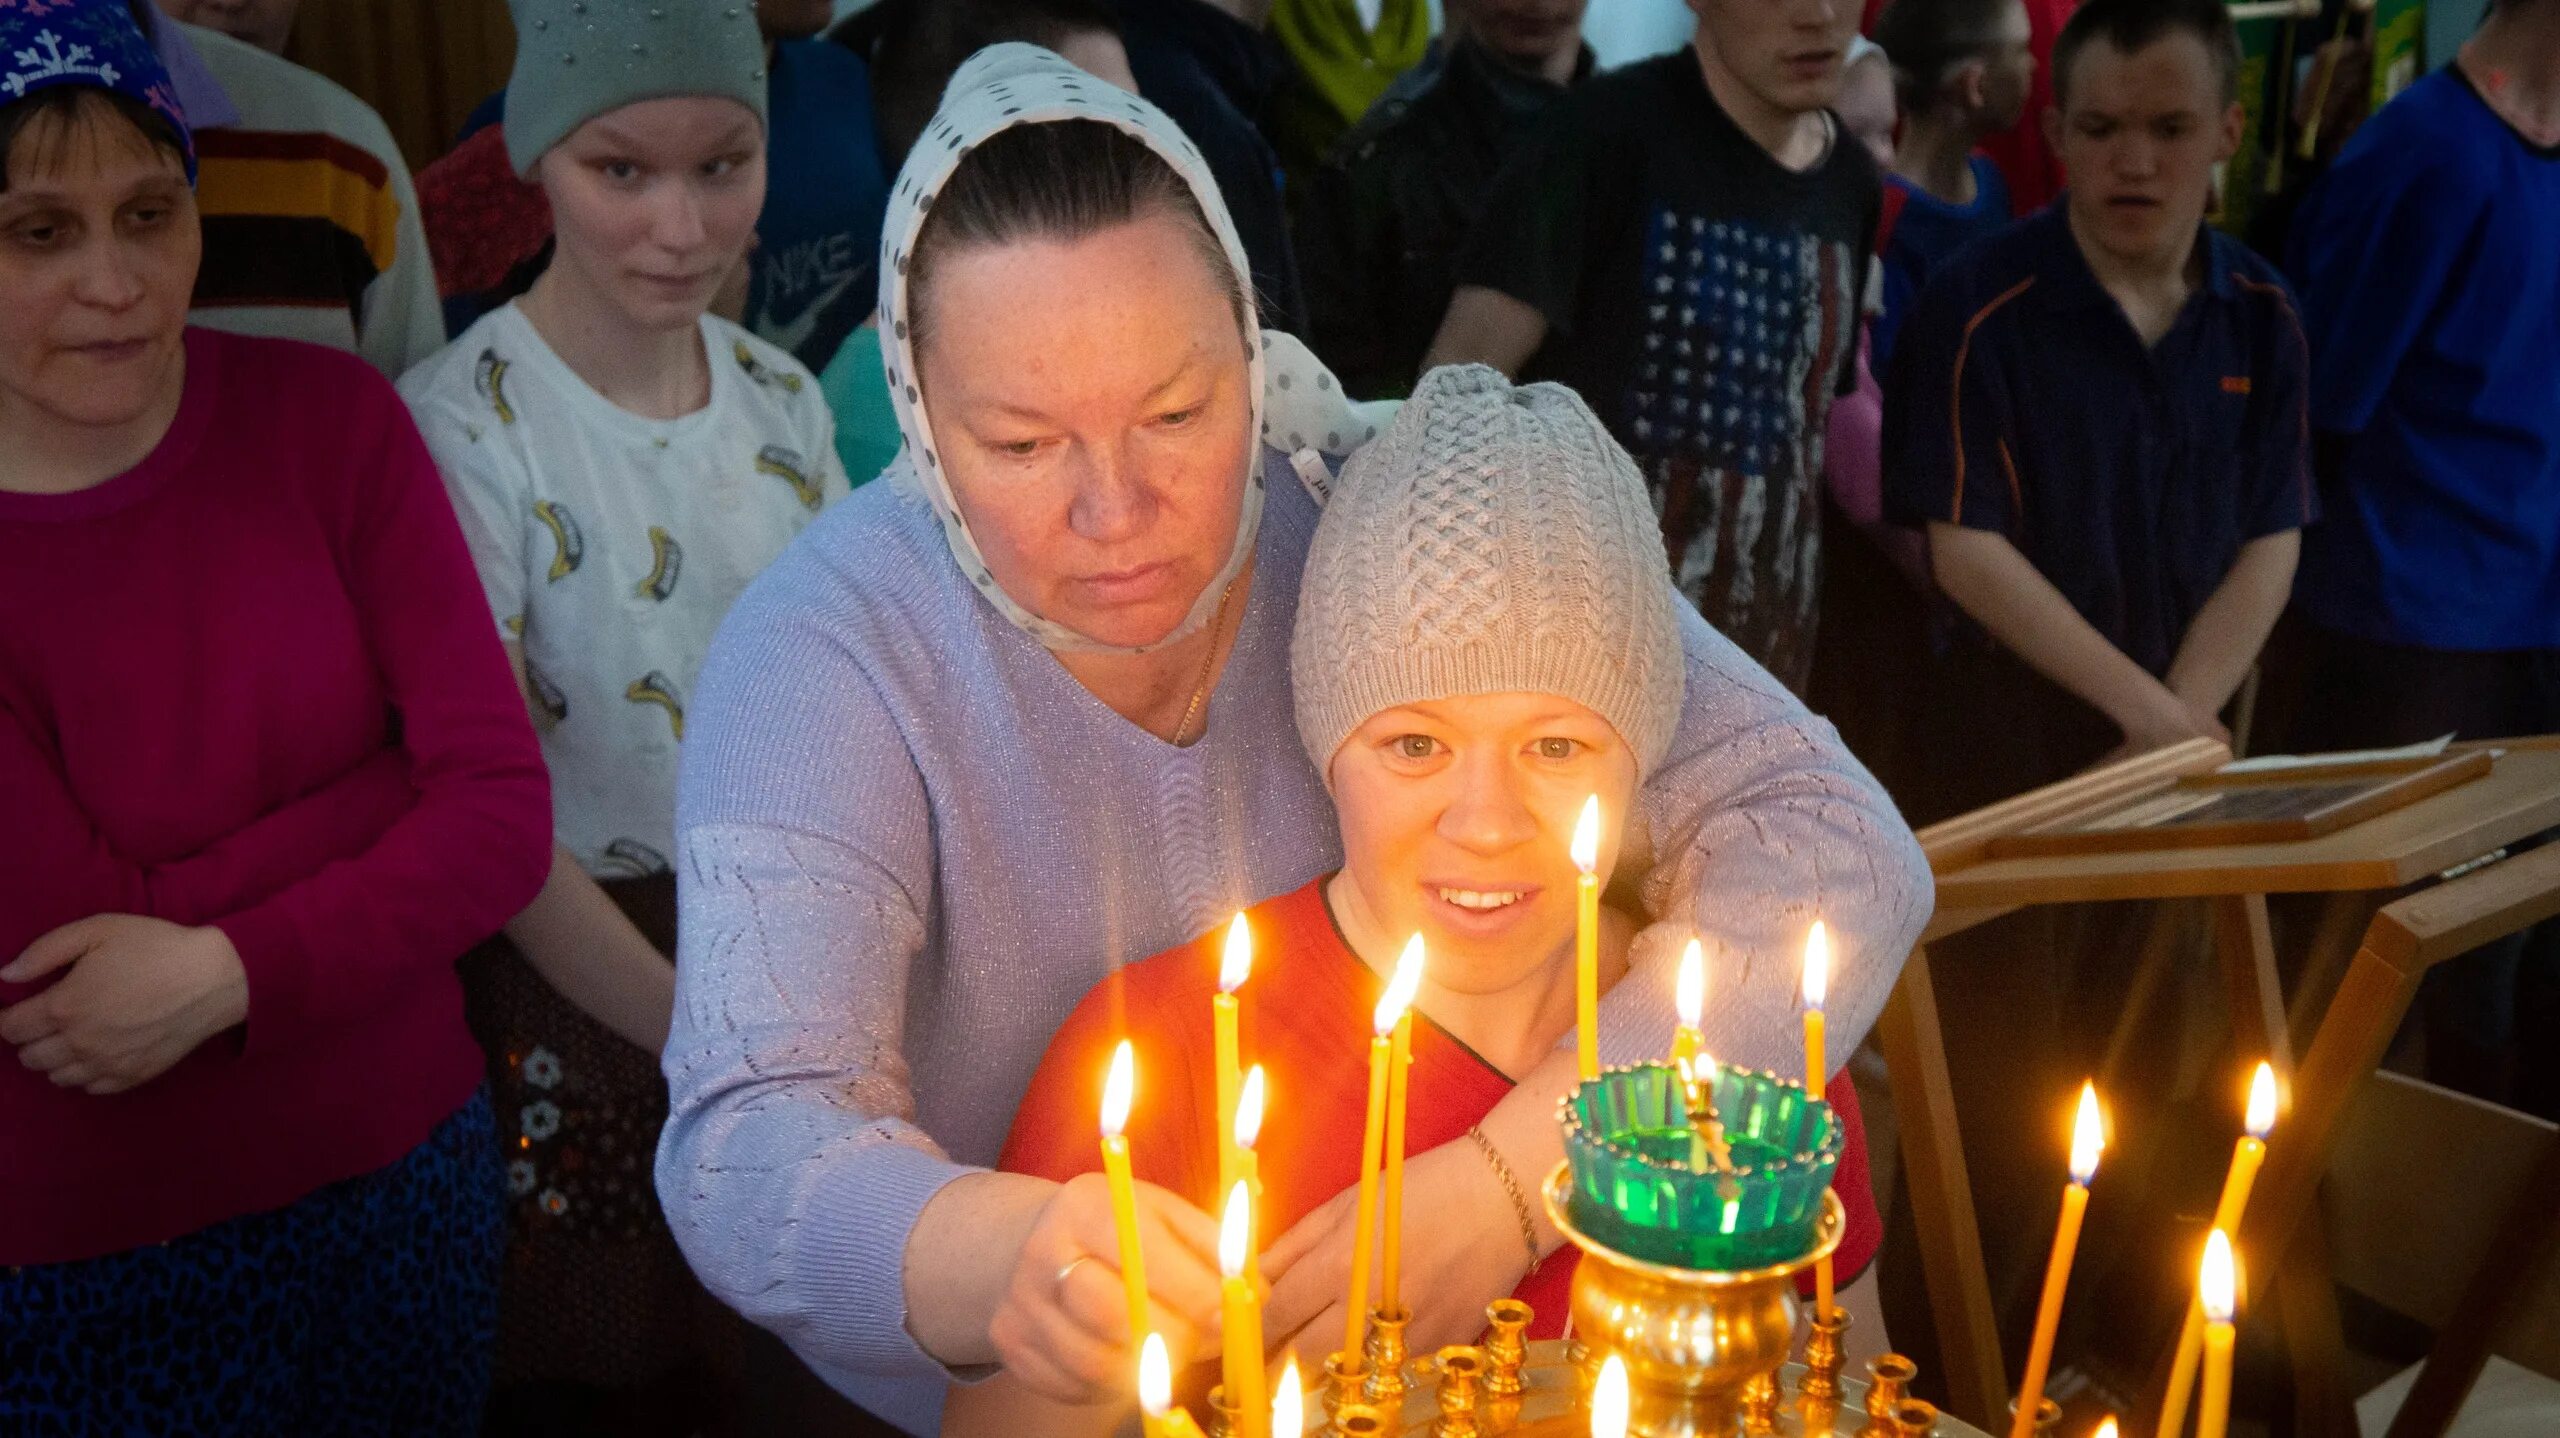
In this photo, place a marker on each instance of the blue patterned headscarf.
(49, 43)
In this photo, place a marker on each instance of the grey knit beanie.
(1493, 540)
(577, 59)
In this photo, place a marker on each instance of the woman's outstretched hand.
(1459, 1255)
(1062, 1325)
(141, 994)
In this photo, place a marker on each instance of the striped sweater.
(311, 228)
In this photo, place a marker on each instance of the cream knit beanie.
(1493, 540)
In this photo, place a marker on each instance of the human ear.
(2235, 120)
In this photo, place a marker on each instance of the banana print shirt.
(610, 545)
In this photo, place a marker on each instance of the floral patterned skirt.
(595, 1296)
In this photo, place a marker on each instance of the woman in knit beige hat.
(1487, 638)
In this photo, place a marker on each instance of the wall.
(422, 63)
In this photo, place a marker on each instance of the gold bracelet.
(1511, 1186)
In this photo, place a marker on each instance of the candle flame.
(1155, 1377)
(1249, 1108)
(1235, 1231)
(1401, 987)
(1237, 966)
(2218, 1281)
(1119, 1089)
(1817, 965)
(1690, 995)
(1586, 836)
(1693, 1072)
(1288, 1403)
(2088, 1137)
(1609, 1400)
(2106, 1429)
(2262, 1100)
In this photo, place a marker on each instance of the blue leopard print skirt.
(368, 1308)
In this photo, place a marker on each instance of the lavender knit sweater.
(908, 843)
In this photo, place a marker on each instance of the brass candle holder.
(1825, 1355)
(1888, 1384)
(1690, 1338)
(1459, 1372)
(1382, 1384)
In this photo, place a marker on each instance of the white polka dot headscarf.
(1297, 404)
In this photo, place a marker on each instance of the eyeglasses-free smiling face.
(1457, 816)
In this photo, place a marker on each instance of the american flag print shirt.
(1744, 331)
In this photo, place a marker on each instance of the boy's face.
(2139, 136)
(1457, 823)
(2008, 65)
(1785, 52)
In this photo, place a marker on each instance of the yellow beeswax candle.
(1586, 940)
(1689, 998)
(2246, 1156)
(1155, 1394)
(1235, 968)
(1399, 1071)
(1817, 1075)
(1118, 1091)
(1610, 1399)
(1373, 1138)
(2217, 1288)
(1248, 1132)
(1242, 1371)
(1289, 1403)
(2088, 1139)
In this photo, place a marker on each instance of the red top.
(1306, 1019)
(252, 682)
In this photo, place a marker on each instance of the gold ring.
(1060, 1282)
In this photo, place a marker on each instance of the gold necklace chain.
(1208, 661)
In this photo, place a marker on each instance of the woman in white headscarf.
(1023, 715)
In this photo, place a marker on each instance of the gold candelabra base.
(1707, 1356)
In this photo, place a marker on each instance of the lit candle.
(2217, 1289)
(1155, 1394)
(1248, 1131)
(1817, 1075)
(1399, 1069)
(1289, 1403)
(1243, 1370)
(1689, 997)
(1117, 1092)
(1373, 1138)
(1609, 1399)
(2105, 1429)
(1232, 972)
(1706, 1131)
(2245, 1158)
(1817, 986)
(1586, 940)
(2088, 1137)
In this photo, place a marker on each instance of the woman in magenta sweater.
(265, 776)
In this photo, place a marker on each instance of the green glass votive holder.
(1628, 1146)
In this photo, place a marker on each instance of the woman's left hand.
(141, 994)
(1454, 1210)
